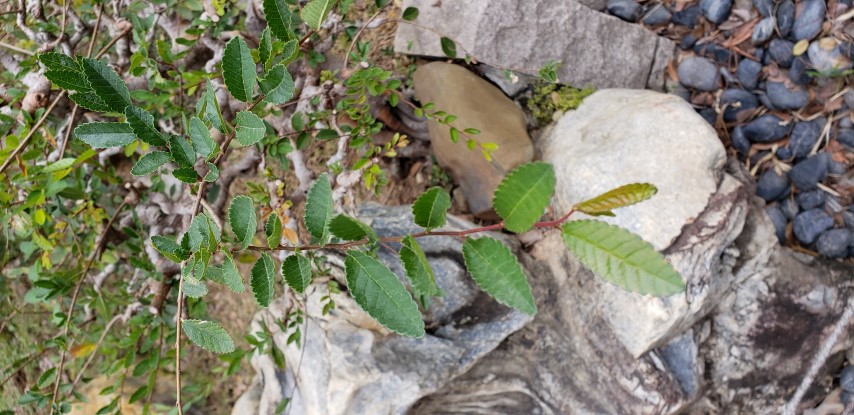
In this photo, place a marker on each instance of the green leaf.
(66, 79)
(208, 108)
(620, 197)
(194, 288)
(410, 13)
(169, 248)
(318, 209)
(90, 101)
(315, 12)
(186, 175)
(250, 129)
(58, 165)
(241, 217)
(278, 85)
(105, 134)
(449, 48)
(381, 294)
(349, 229)
(265, 47)
(212, 174)
(201, 138)
(418, 270)
(238, 69)
(523, 195)
(182, 151)
(208, 335)
(261, 280)
(203, 233)
(273, 230)
(290, 52)
(142, 124)
(107, 84)
(230, 275)
(497, 272)
(431, 208)
(279, 18)
(326, 134)
(621, 257)
(150, 162)
(59, 61)
(297, 271)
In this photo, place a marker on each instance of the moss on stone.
(549, 98)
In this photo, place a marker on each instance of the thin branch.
(100, 244)
(26, 141)
(16, 49)
(356, 38)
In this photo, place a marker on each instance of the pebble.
(849, 98)
(720, 54)
(657, 16)
(780, 51)
(846, 379)
(763, 31)
(716, 11)
(808, 23)
(804, 135)
(729, 78)
(834, 243)
(779, 220)
(739, 142)
(784, 153)
(798, 71)
(847, 49)
(811, 199)
(735, 101)
(627, 10)
(826, 56)
(808, 225)
(845, 136)
(764, 7)
(771, 186)
(699, 73)
(848, 219)
(785, 17)
(789, 208)
(808, 173)
(687, 42)
(836, 168)
(687, 17)
(766, 128)
(846, 397)
(709, 115)
(783, 98)
(748, 73)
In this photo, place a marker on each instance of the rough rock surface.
(596, 49)
(477, 104)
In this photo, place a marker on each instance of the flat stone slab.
(596, 49)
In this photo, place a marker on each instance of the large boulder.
(477, 104)
(596, 49)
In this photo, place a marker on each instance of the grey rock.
(764, 7)
(836, 168)
(811, 199)
(716, 11)
(736, 100)
(710, 115)
(592, 153)
(688, 16)
(849, 98)
(772, 185)
(834, 243)
(826, 56)
(763, 31)
(808, 173)
(779, 220)
(766, 128)
(628, 10)
(739, 141)
(846, 378)
(845, 136)
(658, 15)
(798, 71)
(808, 22)
(785, 17)
(784, 98)
(699, 73)
(780, 51)
(789, 208)
(809, 224)
(714, 51)
(846, 397)
(687, 41)
(748, 73)
(477, 104)
(518, 82)
(784, 153)
(804, 136)
(848, 219)
(503, 34)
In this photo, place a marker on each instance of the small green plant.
(549, 98)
